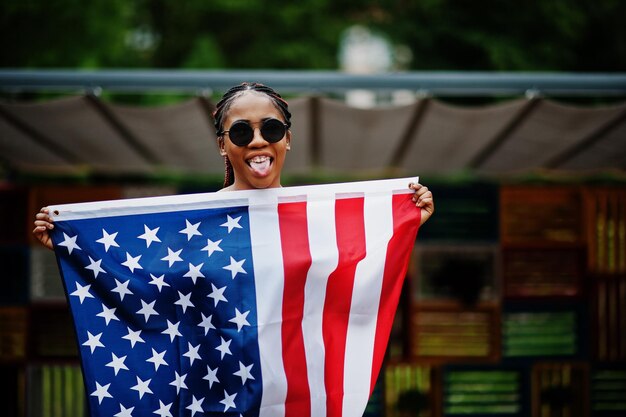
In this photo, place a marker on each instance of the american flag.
(248, 303)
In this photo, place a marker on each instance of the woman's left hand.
(423, 199)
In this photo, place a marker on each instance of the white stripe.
(365, 301)
(324, 256)
(269, 276)
(211, 200)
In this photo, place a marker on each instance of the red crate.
(541, 214)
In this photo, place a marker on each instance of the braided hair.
(222, 107)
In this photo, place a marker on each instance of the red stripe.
(297, 261)
(406, 220)
(350, 228)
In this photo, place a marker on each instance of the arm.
(43, 223)
(423, 199)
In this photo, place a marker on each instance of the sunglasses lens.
(273, 130)
(241, 133)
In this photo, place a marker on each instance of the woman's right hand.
(43, 223)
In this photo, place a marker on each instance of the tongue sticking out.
(260, 166)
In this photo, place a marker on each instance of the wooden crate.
(51, 332)
(546, 272)
(14, 214)
(464, 213)
(409, 389)
(13, 333)
(14, 274)
(605, 210)
(46, 283)
(56, 390)
(467, 273)
(536, 332)
(609, 316)
(497, 391)
(449, 332)
(608, 385)
(560, 389)
(536, 215)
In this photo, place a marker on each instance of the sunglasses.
(241, 133)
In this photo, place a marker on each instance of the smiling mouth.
(260, 164)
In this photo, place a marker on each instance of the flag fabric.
(248, 303)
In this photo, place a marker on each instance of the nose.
(257, 139)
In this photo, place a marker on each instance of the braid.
(222, 107)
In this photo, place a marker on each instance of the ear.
(221, 145)
(288, 139)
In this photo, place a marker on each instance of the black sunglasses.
(241, 133)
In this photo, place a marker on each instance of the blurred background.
(512, 113)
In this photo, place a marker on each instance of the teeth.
(259, 159)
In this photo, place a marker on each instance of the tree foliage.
(488, 35)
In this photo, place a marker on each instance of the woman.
(252, 123)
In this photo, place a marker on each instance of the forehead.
(252, 106)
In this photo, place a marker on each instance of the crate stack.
(38, 348)
(515, 305)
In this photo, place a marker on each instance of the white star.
(192, 353)
(224, 347)
(95, 267)
(164, 410)
(212, 247)
(217, 294)
(93, 341)
(149, 235)
(211, 376)
(108, 314)
(70, 243)
(157, 359)
(231, 223)
(235, 267)
(179, 382)
(134, 337)
(194, 272)
(172, 256)
(124, 412)
(228, 401)
(172, 330)
(191, 230)
(240, 319)
(142, 387)
(159, 281)
(184, 301)
(82, 292)
(132, 263)
(122, 289)
(206, 323)
(244, 372)
(195, 406)
(117, 363)
(147, 310)
(108, 240)
(101, 392)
